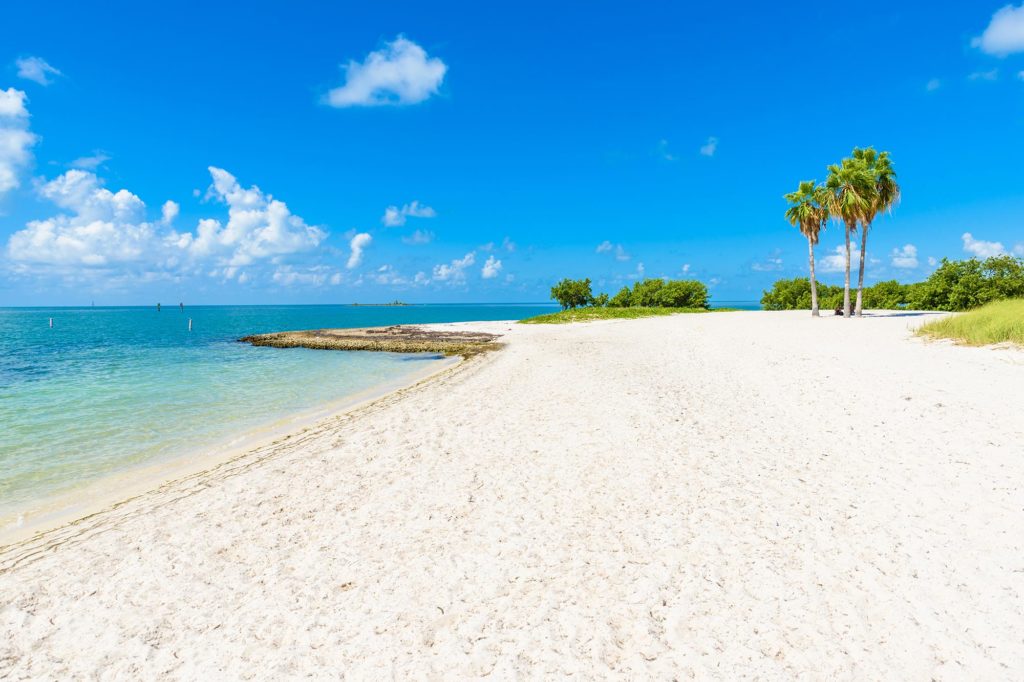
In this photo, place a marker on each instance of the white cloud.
(102, 230)
(607, 247)
(386, 274)
(981, 249)
(419, 237)
(508, 245)
(358, 244)
(258, 226)
(104, 227)
(491, 268)
(15, 139)
(1018, 250)
(1004, 34)
(710, 147)
(396, 217)
(991, 75)
(686, 268)
(454, 272)
(92, 162)
(36, 69)
(932, 261)
(836, 261)
(400, 73)
(905, 257)
(169, 211)
(933, 85)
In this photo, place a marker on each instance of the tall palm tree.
(849, 196)
(885, 196)
(808, 213)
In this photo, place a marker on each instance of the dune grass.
(590, 314)
(996, 322)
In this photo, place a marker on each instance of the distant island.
(380, 305)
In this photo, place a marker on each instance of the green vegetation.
(854, 193)
(954, 286)
(573, 293)
(593, 313)
(996, 322)
(647, 298)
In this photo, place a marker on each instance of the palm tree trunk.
(814, 283)
(846, 286)
(860, 278)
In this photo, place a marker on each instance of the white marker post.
(51, 323)
(190, 324)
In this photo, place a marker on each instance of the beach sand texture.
(721, 496)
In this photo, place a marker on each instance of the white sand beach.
(720, 496)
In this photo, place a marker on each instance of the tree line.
(954, 286)
(856, 191)
(646, 293)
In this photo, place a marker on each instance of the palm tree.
(849, 196)
(885, 196)
(808, 213)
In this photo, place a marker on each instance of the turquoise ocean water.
(108, 389)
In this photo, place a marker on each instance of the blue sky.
(515, 143)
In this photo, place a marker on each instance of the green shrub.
(573, 293)
(683, 293)
(966, 284)
(645, 293)
(795, 294)
(888, 295)
(601, 300)
(623, 299)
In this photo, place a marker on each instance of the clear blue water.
(107, 389)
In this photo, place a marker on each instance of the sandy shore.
(712, 496)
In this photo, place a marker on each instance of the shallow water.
(108, 389)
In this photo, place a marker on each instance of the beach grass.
(598, 313)
(996, 322)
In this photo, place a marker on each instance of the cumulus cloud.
(933, 85)
(15, 139)
(357, 245)
(36, 69)
(454, 272)
(980, 248)
(905, 257)
(419, 237)
(710, 147)
(396, 217)
(258, 226)
(1004, 34)
(103, 227)
(836, 261)
(607, 247)
(491, 268)
(169, 211)
(400, 73)
(108, 231)
(508, 245)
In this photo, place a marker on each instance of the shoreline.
(114, 489)
(626, 498)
